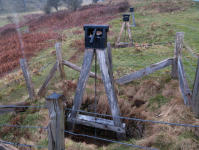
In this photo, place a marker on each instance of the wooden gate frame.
(105, 62)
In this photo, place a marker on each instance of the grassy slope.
(185, 21)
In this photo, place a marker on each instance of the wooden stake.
(59, 58)
(27, 76)
(56, 125)
(195, 98)
(177, 54)
(129, 32)
(118, 40)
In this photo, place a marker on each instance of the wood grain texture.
(129, 32)
(186, 92)
(28, 78)
(177, 53)
(120, 34)
(97, 123)
(59, 58)
(195, 97)
(81, 86)
(75, 67)
(4, 146)
(48, 79)
(109, 89)
(56, 124)
(144, 72)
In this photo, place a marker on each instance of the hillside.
(155, 97)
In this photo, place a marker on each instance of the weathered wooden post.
(177, 54)
(59, 58)
(56, 127)
(132, 10)
(27, 76)
(195, 97)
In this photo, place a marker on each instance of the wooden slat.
(48, 79)
(177, 54)
(144, 72)
(97, 123)
(81, 86)
(120, 34)
(59, 58)
(109, 89)
(195, 97)
(28, 78)
(186, 92)
(75, 67)
(129, 32)
(10, 107)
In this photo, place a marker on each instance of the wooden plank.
(120, 34)
(177, 54)
(48, 79)
(97, 123)
(54, 103)
(109, 90)
(186, 92)
(129, 32)
(81, 86)
(28, 78)
(195, 97)
(10, 108)
(59, 58)
(144, 72)
(4, 146)
(75, 67)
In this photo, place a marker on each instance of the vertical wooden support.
(195, 97)
(133, 19)
(27, 76)
(56, 125)
(109, 87)
(118, 40)
(177, 53)
(81, 86)
(129, 32)
(59, 58)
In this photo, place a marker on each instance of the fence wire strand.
(190, 50)
(23, 126)
(189, 63)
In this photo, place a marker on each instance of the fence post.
(177, 53)
(59, 58)
(55, 105)
(27, 76)
(195, 96)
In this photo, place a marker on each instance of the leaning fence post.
(27, 76)
(59, 58)
(177, 53)
(195, 96)
(56, 127)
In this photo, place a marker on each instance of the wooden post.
(195, 97)
(55, 105)
(122, 28)
(129, 32)
(59, 58)
(27, 76)
(177, 54)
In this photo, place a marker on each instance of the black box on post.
(94, 40)
(126, 17)
(131, 9)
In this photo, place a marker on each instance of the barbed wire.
(190, 50)
(23, 126)
(107, 140)
(18, 144)
(43, 67)
(9, 71)
(12, 83)
(41, 57)
(189, 78)
(189, 63)
(2, 106)
(134, 119)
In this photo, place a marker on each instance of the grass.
(151, 28)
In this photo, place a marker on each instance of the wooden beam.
(120, 34)
(177, 54)
(48, 79)
(11, 107)
(81, 86)
(28, 78)
(108, 84)
(75, 67)
(186, 92)
(59, 58)
(195, 97)
(55, 105)
(144, 72)
(129, 32)
(97, 123)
